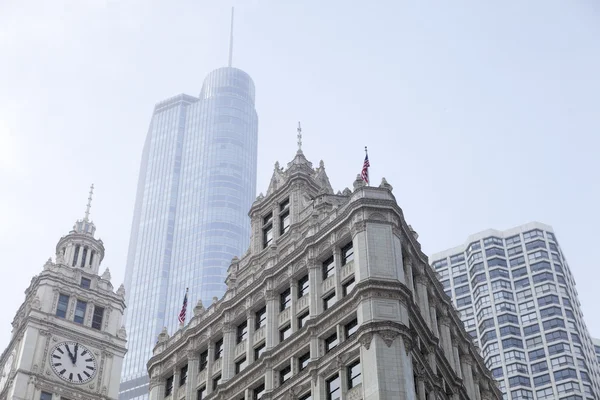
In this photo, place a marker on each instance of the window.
(169, 386)
(459, 280)
(303, 286)
(284, 217)
(476, 268)
(562, 361)
(558, 348)
(515, 251)
(507, 319)
(546, 276)
(510, 330)
(490, 241)
(539, 367)
(536, 354)
(464, 301)
(76, 255)
(258, 392)
(258, 350)
(513, 240)
(285, 374)
(303, 360)
(526, 294)
(267, 230)
(84, 256)
(519, 272)
(563, 374)
(328, 268)
(514, 262)
(537, 244)
(329, 301)
(550, 299)
(541, 380)
(242, 332)
(519, 381)
(494, 251)
(97, 317)
(567, 388)
(351, 328)
(545, 394)
(503, 295)
(347, 253)
(459, 269)
(260, 318)
(218, 349)
(440, 264)
(514, 355)
(474, 246)
(307, 396)
(63, 304)
(521, 394)
(85, 283)
(331, 342)
(285, 333)
(332, 385)
(354, 374)
(457, 258)
(512, 342)
(202, 393)
(533, 234)
(240, 365)
(528, 317)
(541, 266)
(203, 360)
(216, 382)
(534, 342)
(538, 255)
(46, 396)
(486, 324)
(285, 299)
(498, 372)
(183, 375)
(302, 319)
(550, 312)
(80, 311)
(553, 323)
(529, 305)
(545, 288)
(497, 285)
(348, 286)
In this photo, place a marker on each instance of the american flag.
(365, 169)
(183, 308)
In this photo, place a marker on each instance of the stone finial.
(121, 290)
(122, 333)
(48, 264)
(385, 185)
(277, 168)
(260, 197)
(60, 258)
(358, 183)
(215, 300)
(199, 309)
(321, 164)
(164, 335)
(414, 233)
(347, 192)
(106, 275)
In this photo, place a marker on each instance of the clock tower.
(67, 340)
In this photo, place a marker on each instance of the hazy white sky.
(481, 114)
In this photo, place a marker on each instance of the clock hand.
(70, 354)
(76, 351)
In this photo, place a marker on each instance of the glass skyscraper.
(517, 298)
(197, 182)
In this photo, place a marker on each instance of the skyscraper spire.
(89, 204)
(231, 40)
(299, 138)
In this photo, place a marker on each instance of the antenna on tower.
(231, 40)
(89, 204)
(299, 138)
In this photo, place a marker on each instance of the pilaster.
(192, 374)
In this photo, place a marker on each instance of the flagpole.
(368, 177)
(184, 309)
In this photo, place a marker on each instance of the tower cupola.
(79, 249)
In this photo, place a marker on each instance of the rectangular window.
(76, 256)
(267, 230)
(218, 349)
(285, 299)
(331, 342)
(240, 365)
(242, 332)
(302, 319)
(285, 374)
(328, 268)
(303, 286)
(348, 286)
(46, 396)
(347, 254)
(216, 382)
(258, 392)
(80, 311)
(258, 350)
(85, 283)
(169, 386)
(285, 333)
(303, 361)
(329, 301)
(202, 393)
(183, 375)
(260, 319)
(97, 317)
(63, 304)
(354, 375)
(332, 385)
(203, 360)
(284, 217)
(351, 328)
(307, 396)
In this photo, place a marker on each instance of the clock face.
(5, 371)
(73, 362)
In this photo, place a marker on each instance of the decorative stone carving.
(358, 183)
(48, 264)
(121, 290)
(365, 340)
(388, 337)
(36, 304)
(163, 336)
(122, 333)
(106, 275)
(385, 185)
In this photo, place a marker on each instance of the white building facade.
(333, 300)
(67, 339)
(516, 296)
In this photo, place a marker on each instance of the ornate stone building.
(333, 300)
(67, 339)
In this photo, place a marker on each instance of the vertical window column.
(421, 388)
(229, 342)
(433, 311)
(337, 259)
(157, 388)
(421, 284)
(466, 363)
(456, 354)
(271, 330)
(314, 278)
(250, 346)
(176, 375)
(408, 272)
(192, 374)
(294, 301)
(209, 366)
(446, 337)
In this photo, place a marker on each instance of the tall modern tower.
(196, 185)
(517, 298)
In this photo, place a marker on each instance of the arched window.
(76, 255)
(84, 256)
(91, 257)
